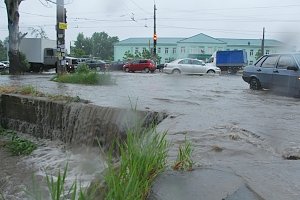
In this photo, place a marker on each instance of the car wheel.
(255, 84)
(126, 69)
(210, 71)
(146, 70)
(176, 71)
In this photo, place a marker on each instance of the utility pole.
(154, 35)
(263, 43)
(61, 25)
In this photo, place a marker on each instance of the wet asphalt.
(245, 133)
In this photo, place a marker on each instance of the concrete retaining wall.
(73, 123)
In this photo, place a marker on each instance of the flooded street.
(232, 128)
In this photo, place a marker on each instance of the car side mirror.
(294, 68)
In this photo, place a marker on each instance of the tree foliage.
(146, 54)
(99, 45)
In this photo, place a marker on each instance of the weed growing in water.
(84, 75)
(16, 145)
(142, 157)
(19, 146)
(24, 90)
(57, 188)
(184, 157)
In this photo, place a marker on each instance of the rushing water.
(229, 125)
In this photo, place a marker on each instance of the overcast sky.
(184, 18)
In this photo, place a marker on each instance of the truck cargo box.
(33, 48)
(234, 58)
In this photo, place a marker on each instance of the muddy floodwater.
(252, 134)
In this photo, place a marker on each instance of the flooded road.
(230, 126)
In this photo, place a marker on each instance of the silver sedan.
(190, 66)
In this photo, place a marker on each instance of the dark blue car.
(278, 72)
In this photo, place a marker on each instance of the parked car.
(116, 65)
(190, 66)
(2, 66)
(278, 72)
(71, 64)
(145, 65)
(6, 62)
(98, 65)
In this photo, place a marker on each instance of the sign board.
(62, 26)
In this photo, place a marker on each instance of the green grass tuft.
(142, 157)
(18, 146)
(57, 188)
(184, 158)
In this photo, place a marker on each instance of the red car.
(145, 65)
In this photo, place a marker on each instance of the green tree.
(128, 55)
(99, 45)
(146, 54)
(103, 45)
(83, 46)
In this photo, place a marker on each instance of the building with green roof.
(199, 46)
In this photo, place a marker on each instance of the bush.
(84, 75)
(24, 62)
(83, 69)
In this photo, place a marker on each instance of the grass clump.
(184, 158)
(57, 188)
(84, 75)
(17, 145)
(142, 158)
(24, 90)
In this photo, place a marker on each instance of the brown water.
(229, 125)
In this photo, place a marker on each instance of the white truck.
(40, 53)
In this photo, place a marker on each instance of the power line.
(140, 7)
(240, 8)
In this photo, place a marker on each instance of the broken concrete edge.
(71, 122)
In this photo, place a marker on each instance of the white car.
(2, 65)
(190, 66)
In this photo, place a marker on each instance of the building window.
(174, 50)
(210, 50)
(251, 62)
(267, 52)
(166, 50)
(136, 50)
(159, 50)
(182, 49)
(251, 52)
(166, 60)
(144, 49)
(131, 49)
